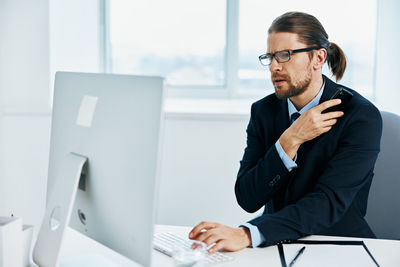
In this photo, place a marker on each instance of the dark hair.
(312, 33)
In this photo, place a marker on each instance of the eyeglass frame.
(289, 51)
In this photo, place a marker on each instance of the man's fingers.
(202, 226)
(212, 238)
(220, 245)
(326, 129)
(330, 122)
(332, 115)
(328, 104)
(203, 235)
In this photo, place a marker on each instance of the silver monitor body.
(114, 122)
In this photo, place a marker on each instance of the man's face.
(293, 77)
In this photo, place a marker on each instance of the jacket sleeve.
(346, 173)
(261, 172)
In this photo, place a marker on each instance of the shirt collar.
(314, 102)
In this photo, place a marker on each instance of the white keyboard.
(164, 243)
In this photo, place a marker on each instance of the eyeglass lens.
(281, 56)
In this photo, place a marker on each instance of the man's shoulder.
(360, 104)
(361, 110)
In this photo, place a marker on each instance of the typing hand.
(308, 126)
(225, 237)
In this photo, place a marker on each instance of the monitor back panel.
(114, 121)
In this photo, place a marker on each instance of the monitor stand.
(58, 211)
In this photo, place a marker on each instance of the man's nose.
(275, 65)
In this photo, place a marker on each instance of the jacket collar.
(330, 88)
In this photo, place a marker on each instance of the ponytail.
(336, 60)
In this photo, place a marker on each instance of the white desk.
(77, 246)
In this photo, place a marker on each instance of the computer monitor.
(105, 134)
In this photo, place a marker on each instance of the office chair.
(383, 211)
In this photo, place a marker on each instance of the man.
(312, 176)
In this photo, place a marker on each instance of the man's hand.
(308, 126)
(225, 237)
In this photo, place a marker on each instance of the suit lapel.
(281, 119)
(330, 88)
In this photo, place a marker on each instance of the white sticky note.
(86, 111)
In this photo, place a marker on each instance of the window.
(181, 40)
(211, 47)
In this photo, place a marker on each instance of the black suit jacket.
(327, 193)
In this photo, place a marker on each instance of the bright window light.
(183, 41)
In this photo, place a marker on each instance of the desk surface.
(77, 247)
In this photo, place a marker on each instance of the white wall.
(26, 146)
(2, 85)
(24, 87)
(25, 57)
(200, 163)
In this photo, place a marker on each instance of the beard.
(294, 88)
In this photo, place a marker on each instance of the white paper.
(10, 242)
(86, 111)
(328, 255)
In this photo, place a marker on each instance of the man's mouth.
(279, 81)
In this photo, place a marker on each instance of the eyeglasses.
(282, 56)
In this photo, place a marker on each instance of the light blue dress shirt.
(256, 237)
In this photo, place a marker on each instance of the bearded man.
(311, 170)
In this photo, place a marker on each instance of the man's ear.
(319, 58)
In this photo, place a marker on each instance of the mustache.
(279, 77)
